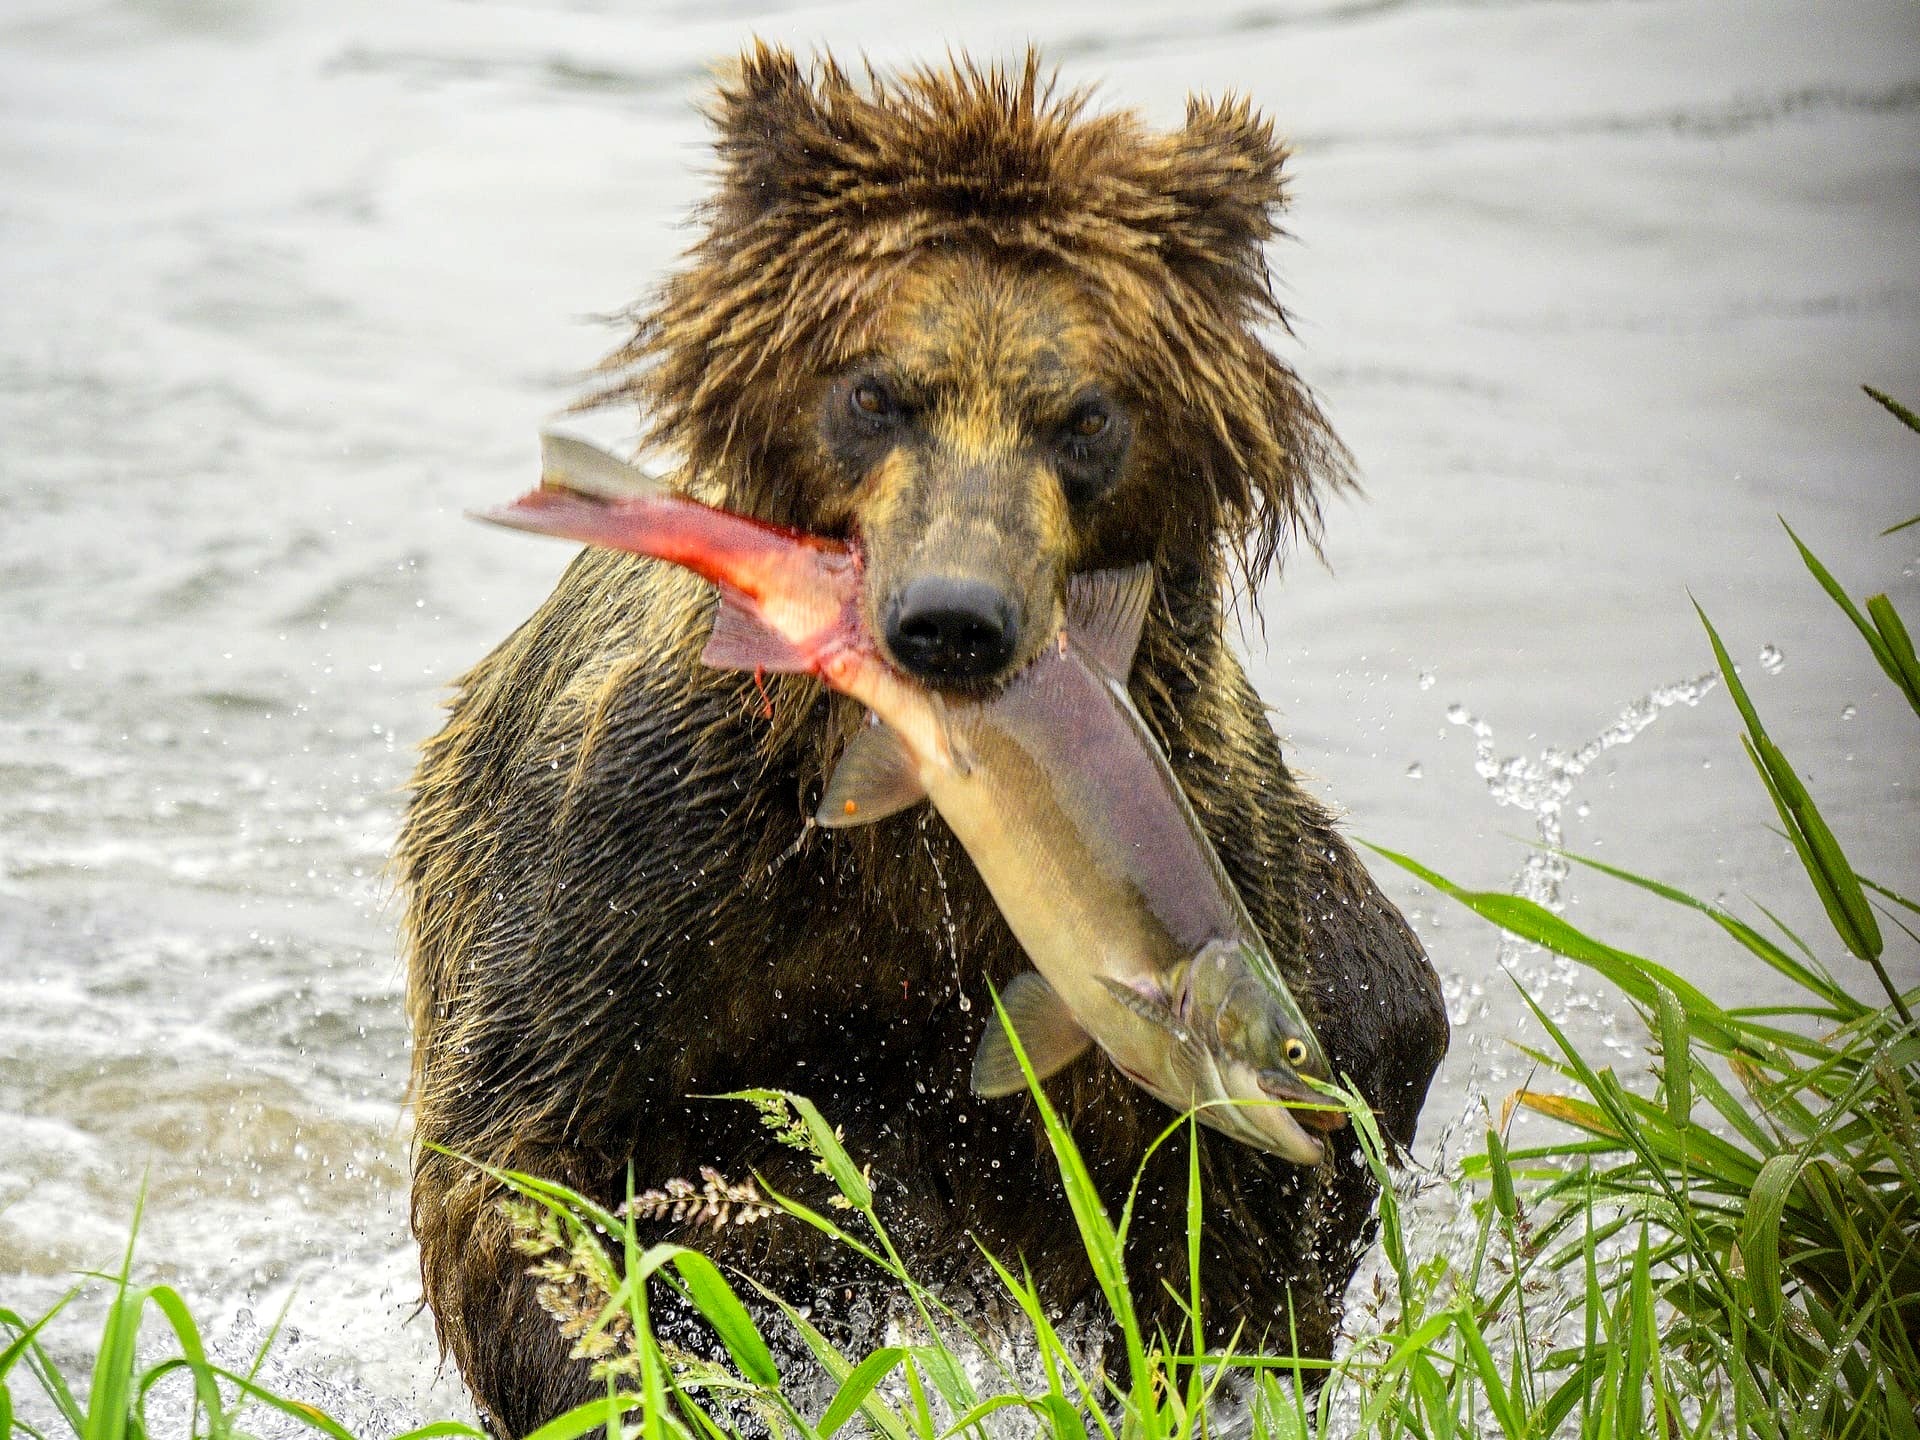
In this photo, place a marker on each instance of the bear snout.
(963, 562)
(949, 630)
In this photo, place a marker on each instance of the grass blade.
(1750, 939)
(1484, 1365)
(1902, 901)
(1819, 852)
(26, 1345)
(1638, 976)
(1894, 408)
(1676, 1056)
(206, 1391)
(583, 1419)
(111, 1390)
(846, 1175)
(25, 1334)
(716, 1300)
(1194, 1231)
(878, 1414)
(1838, 593)
(1893, 634)
(1097, 1234)
(854, 1390)
(1760, 1236)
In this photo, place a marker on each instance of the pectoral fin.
(742, 641)
(1048, 1033)
(1148, 1006)
(1105, 610)
(875, 778)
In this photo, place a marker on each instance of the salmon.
(1053, 785)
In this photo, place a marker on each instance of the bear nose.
(946, 629)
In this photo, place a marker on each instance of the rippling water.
(1588, 287)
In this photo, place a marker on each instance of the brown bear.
(999, 339)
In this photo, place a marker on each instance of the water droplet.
(1426, 679)
(1847, 712)
(1771, 660)
(1413, 771)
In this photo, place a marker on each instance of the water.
(1588, 287)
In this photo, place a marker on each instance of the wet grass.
(111, 1402)
(1729, 1244)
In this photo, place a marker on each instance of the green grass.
(120, 1384)
(1730, 1244)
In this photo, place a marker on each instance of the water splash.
(295, 1366)
(1541, 786)
(1437, 1204)
(946, 916)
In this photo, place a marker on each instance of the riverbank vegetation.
(1728, 1242)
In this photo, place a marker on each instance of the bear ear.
(775, 127)
(1222, 180)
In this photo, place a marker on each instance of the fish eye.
(1296, 1052)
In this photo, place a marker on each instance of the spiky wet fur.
(612, 905)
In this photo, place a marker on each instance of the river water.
(1589, 288)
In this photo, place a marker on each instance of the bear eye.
(1089, 447)
(1089, 422)
(870, 400)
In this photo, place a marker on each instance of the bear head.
(993, 336)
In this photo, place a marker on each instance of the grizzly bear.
(999, 339)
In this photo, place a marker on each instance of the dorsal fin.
(1105, 610)
(572, 464)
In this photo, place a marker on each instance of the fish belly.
(1076, 925)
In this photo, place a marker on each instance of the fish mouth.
(1254, 1116)
(1307, 1107)
(1317, 1112)
(1271, 1127)
(1264, 1109)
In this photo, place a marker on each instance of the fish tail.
(570, 464)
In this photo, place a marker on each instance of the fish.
(1054, 786)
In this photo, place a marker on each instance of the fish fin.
(571, 464)
(1048, 1033)
(875, 778)
(1105, 611)
(563, 514)
(741, 640)
(1154, 1007)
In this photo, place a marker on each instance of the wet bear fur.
(613, 903)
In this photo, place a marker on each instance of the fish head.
(977, 437)
(1206, 1037)
(1261, 1047)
